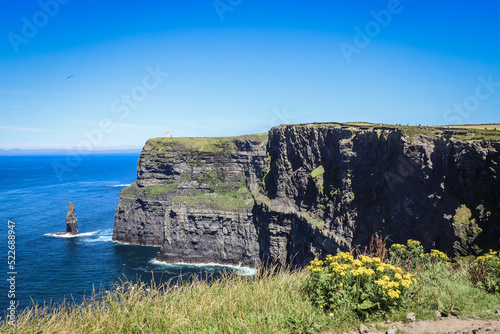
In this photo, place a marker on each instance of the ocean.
(34, 195)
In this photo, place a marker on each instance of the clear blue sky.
(237, 67)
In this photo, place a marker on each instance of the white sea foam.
(103, 238)
(69, 235)
(102, 235)
(119, 185)
(131, 244)
(246, 271)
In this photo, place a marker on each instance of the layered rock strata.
(331, 187)
(193, 197)
(312, 190)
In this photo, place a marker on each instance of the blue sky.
(230, 67)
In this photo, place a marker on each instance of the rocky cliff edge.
(312, 189)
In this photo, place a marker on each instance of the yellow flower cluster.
(415, 243)
(348, 281)
(385, 275)
(438, 254)
(362, 271)
(492, 258)
(401, 280)
(316, 265)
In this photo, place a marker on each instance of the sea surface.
(34, 196)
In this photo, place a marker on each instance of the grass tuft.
(271, 302)
(160, 189)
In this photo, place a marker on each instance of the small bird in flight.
(70, 76)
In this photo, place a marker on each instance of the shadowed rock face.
(311, 190)
(331, 188)
(71, 221)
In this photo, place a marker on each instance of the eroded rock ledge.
(194, 197)
(311, 189)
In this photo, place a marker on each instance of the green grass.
(130, 190)
(268, 303)
(466, 132)
(199, 144)
(318, 223)
(451, 292)
(461, 132)
(236, 200)
(413, 131)
(362, 124)
(160, 189)
(491, 126)
(273, 301)
(317, 172)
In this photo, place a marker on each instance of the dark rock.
(376, 181)
(194, 197)
(71, 221)
(314, 190)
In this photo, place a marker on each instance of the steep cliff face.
(313, 190)
(193, 197)
(330, 187)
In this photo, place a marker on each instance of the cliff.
(193, 197)
(311, 190)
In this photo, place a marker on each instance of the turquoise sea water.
(49, 268)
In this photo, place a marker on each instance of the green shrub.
(485, 272)
(318, 172)
(408, 255)
(365, 285)
(435, 256)
(412, 256)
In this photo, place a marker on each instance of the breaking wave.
(69, 235)
(88, 237)
(245, 271)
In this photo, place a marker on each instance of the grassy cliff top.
(201, 144)
(466, 132)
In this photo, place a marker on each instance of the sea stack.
(71, 221)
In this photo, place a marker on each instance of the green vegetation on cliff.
(230, 201)
(318, 172)
(467, 228)
(209, 174)
(282, 301)
(130, 190)
(160, 189)
(216, 145)
(466, 132)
